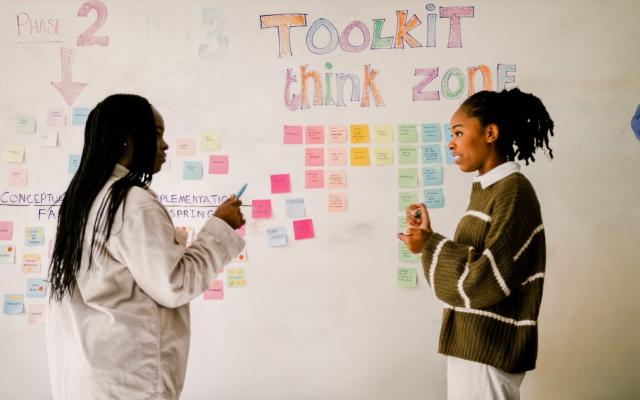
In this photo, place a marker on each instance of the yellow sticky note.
(383, 133)
(360, 156)
(13, 153)
(211, 141)
(31, 263)
(359, 133)
(236, 277)
(383, 155)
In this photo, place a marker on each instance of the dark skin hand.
(418, 228)
(229, 212)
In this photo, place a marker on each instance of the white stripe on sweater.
(538, 229)
(532, 278)
(524, 322)
(478, 214)
(465, 298)
(496, 272)
(434, 262)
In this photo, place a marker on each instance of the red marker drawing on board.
(67, 87)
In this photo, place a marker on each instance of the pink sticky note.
(337, 156)
(261, 209)
(303, 229)
(337, 202)
(314, 134)
(293, 134)
(215, 292)
(336, 179)
(280, 183)
(314, 179)
(185, 147)
(6, 230)
(314, 157)
(338, 134)
(218, 164)
(17, 176)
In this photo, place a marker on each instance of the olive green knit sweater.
(490, 276)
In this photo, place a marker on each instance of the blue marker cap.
(241, 190)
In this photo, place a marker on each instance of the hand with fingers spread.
(418, 228)
(229, 212)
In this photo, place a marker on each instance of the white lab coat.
(125, 332)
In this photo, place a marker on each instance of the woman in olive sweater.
(490, 276)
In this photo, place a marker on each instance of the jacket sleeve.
(463, 276)
(171, 274)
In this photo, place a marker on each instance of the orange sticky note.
(185, 147)
(336, 156)
(359, 156)
(337, 202)
(359, 133)
(338, 134)
(314, 157)
(336, 179)
(314, 179)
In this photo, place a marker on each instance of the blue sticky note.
(295, 208)
(431, 154)
(432, 176)
(431, 133)
(34, 236)
(434, 198)
(635, 123)
(192, 170)
(36, 288)
(276, 237)
(13, 303)
(80, 115)
(74, 163)
(447, 139)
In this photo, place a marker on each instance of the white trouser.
(468, 380)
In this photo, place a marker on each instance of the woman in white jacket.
(118, 323)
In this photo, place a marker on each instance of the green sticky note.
(408, 177)
(407, 277)
(407, 155)
(402, 223)
(192, 170)
(404, 255)
(405, 199)
(408, 133)
(26, 123)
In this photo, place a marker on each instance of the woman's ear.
(492, 132)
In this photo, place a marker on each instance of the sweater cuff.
(224, 234)
(430, 246)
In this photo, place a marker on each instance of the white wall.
(323, 318)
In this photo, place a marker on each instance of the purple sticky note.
(280, 183)
(293, 134)
(303, 229)
(6, 230)
(261, 209)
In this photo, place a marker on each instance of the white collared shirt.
(497, 173)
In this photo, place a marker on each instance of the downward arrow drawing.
(67, 87)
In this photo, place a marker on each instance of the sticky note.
(303, 229)
(48, 138)
(215, 291)
(434, 198)
(210, 141)
(17, 176)
(405, 199)
(407, 133)
(34, 236)
(276, 237)
(447, 135)
(7, 254)
(79, 116)
(36, 288)
(337, 202)
(295, 208)
(432, 175)
(359, 133)
(407, 277)
(280, 183)
(431, 154)
(383, 156)
(31, 263)
(383, 133)
(292, 134)
(37, 314)
(408, 178)
(13, 153)
(314, 157)
(314, 134)
(219, 164)
(360, 156)
(6, 230)
(338, 134)
(192, 170)
(242, 257)
(236, 277)
(404, 255)
(74, 163)
(13, 303)
(407, 155)
(56, 117)
(336, 156)
(185, 147)
(402, 223)
(260, 208)
(336, 179)
(26, 123)
(431, 133)
(314, 179)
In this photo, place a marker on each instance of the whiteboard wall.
(324, 317)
